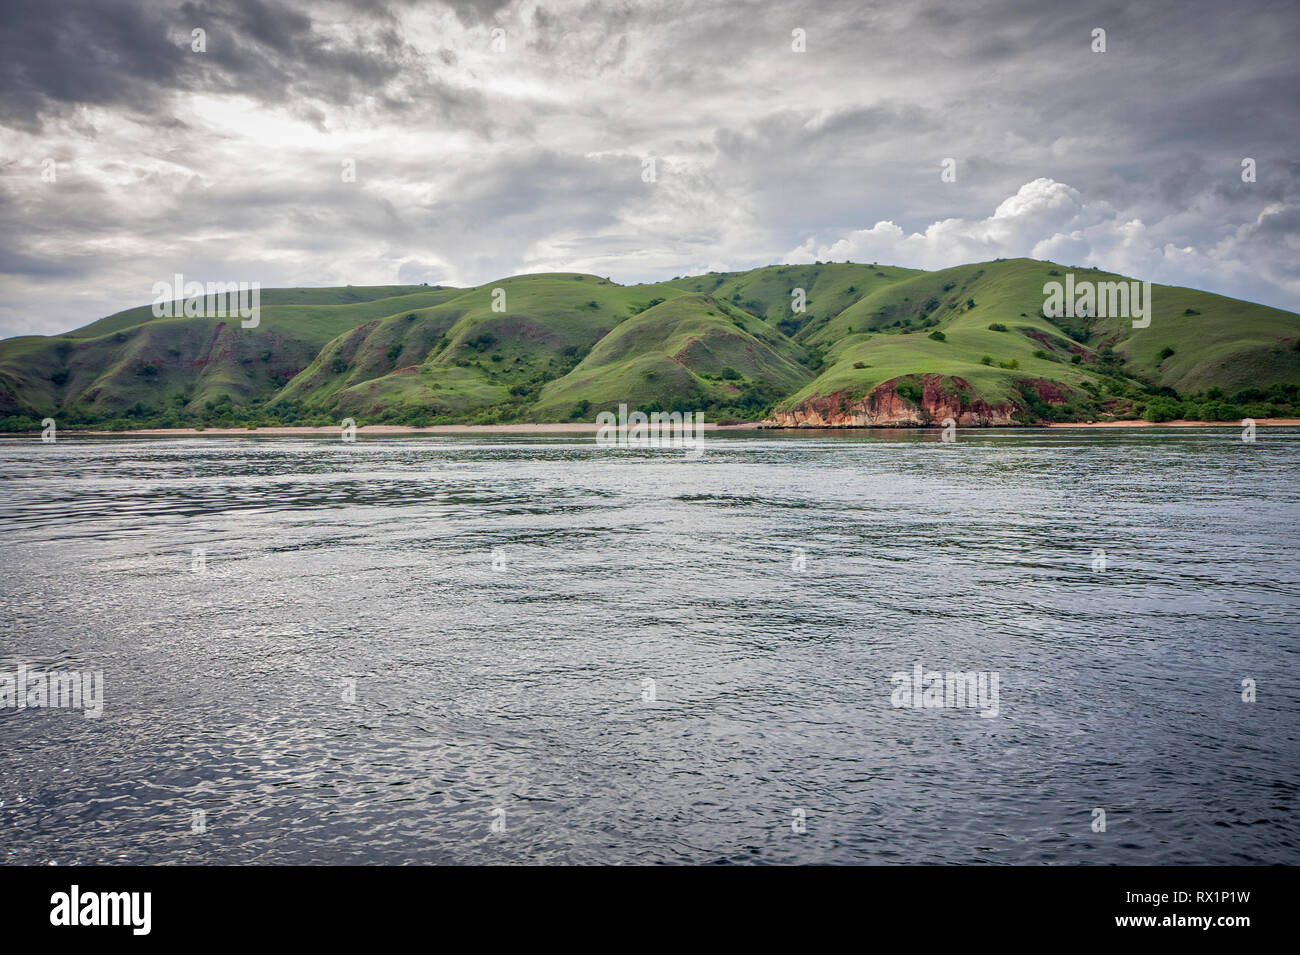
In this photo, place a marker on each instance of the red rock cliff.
(885, 407)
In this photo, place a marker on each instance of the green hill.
(980, 330)
(872, 345)
(686, 353)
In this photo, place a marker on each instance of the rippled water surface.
(517, 693)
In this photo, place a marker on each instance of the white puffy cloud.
(1051, 220)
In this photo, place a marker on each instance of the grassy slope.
(871, 332)
(1230, 344)
(767, 292)
(677, 353)
(346, 295)
(568, 339)
(107, 363)
(464, 355)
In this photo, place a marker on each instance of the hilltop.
(873, 345)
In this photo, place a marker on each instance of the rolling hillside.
(873, 345)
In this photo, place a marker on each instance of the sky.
(636, 140)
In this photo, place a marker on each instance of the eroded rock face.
(885, 407)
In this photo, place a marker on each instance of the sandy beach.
(1138, 423)
(590, 427)
(579, 427)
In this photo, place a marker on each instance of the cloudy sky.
(494, 138)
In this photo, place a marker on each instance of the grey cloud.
(474, 165)
(135, 55)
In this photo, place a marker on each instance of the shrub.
(909, 391)
(938, 336)
(1013, 363)
(730, 374)
(986, 360)
(859, 364)
(997, 327)
(1217, 411)
(1165, 352)
(1075, 359)
(338, 365)
(1162, 409)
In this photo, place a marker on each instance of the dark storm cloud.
(114, 52)
(135, 54)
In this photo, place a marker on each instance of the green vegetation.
(1099, 367)
(567, 346)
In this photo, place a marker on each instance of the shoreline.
(1179, 423)
(592, 428)
(581, 427)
